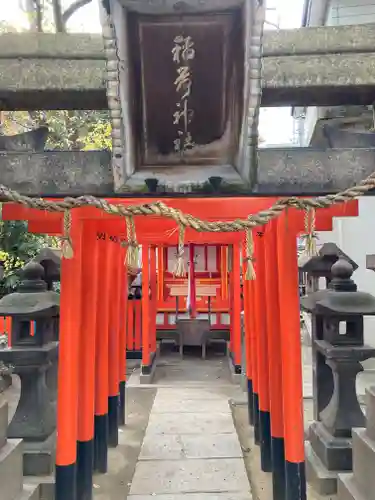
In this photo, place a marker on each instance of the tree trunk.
(58, 16)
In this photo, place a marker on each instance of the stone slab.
(324, 482)
(348, 488)
(71, 72)
(189, 476)
(370, 412)
(319, 40)
(282, 171)
(190, 423)
(311, 40)
(39, 457)
(363, 461)
(30, 492)
(3, 420)
(195, 496)
(11, 477)
(46, 485)
(184, 394)
(177, 447)
(190, 406)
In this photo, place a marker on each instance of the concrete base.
(235, 377)
(348, 490)
(11, 479)
(39, 457)
(30, 492)
(363, 461)
(3, 420)
(323, 481)
(147, 377)
(46, 486)
(335, 453)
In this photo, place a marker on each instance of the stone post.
(11, 467)
(337, 316)
(31, 358)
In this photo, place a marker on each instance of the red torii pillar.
(292, 434)
(101, 365)
(69, 345)
(89, 288)
(113, 343)
(274, 362)
(123, 312)
(235, 316)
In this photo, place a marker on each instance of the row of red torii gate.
(98, 323)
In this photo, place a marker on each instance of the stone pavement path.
(191, 450)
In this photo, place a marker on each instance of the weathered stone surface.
(190, 423)
(51, 45)
(310, 66)
(193, 406)
(320, 40)
(194, 496)
(281, 171)
(176, 6)
(327, 79)
(177, 447)
(309, 170)
(52, 84)
(185, 476)
(316, 40)
(57, 172)
(11, 469)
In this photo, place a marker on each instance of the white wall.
(339, 12)
(350, 12)
(356, 237)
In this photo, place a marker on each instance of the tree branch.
(73, 9)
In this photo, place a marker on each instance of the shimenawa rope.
(183, 220)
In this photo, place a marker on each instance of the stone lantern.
(319, 266)
(338, 350)
(50, 259)
(31, 357)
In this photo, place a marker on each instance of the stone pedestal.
(35, 417)
(338, 351)
(33, 357)
(361, 484)
(11, 468)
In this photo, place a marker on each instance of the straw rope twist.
(179, 270)
(249, 252)
(66, 241)
(132, 252)
(160, 209)
(310, 234)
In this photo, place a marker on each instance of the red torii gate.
(272, 332)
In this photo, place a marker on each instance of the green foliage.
(17, 246)
(68, 129)
(99, 137)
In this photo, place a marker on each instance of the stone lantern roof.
(32, 298)
(321, 264)
(341, 297)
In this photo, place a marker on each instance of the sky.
(276, 124)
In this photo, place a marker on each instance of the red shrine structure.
(95, 303)
(182, 84)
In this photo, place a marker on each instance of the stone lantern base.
(39, 457)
